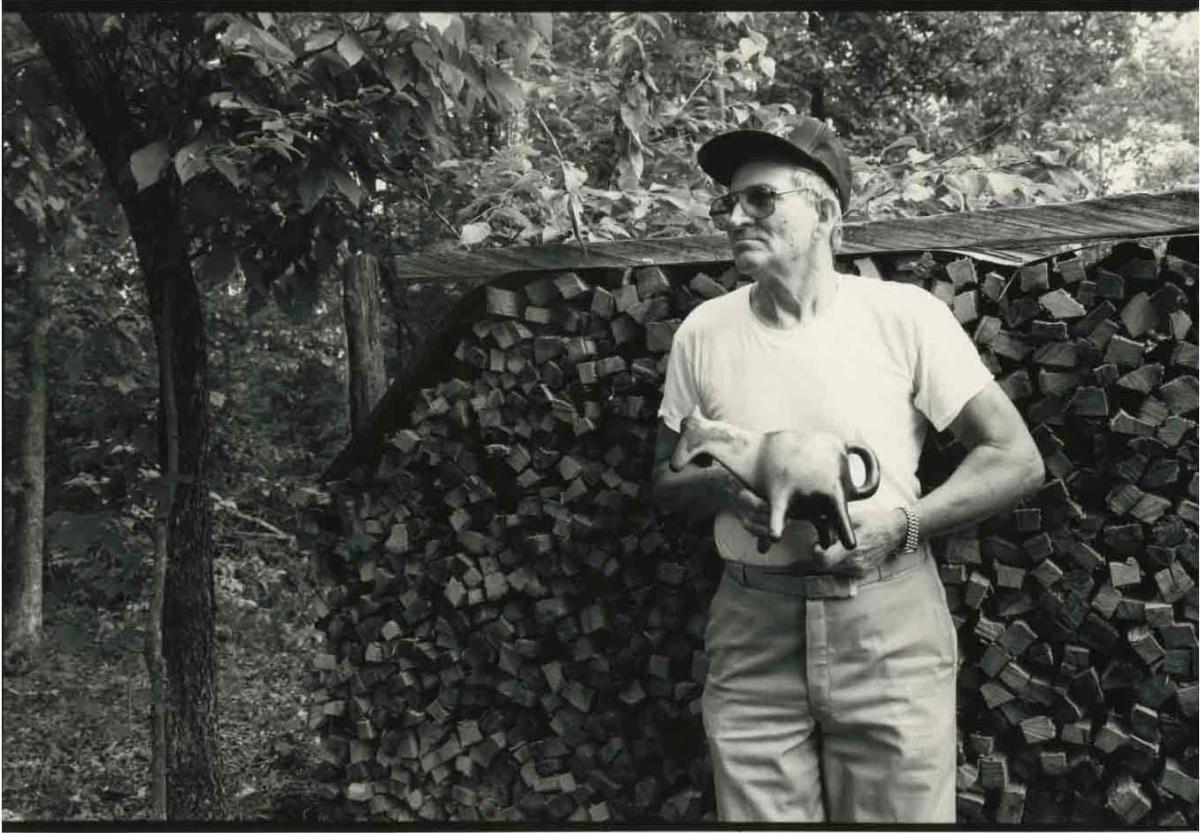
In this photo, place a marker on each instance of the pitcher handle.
(871, 463)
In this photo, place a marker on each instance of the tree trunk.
(91, 78)
(158, 577)
(360, 308)
(23, 605)
(189, 593)
(156, 672)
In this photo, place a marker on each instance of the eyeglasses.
(757, 201)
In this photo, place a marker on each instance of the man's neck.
(796, 299)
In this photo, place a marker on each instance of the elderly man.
(831, 684)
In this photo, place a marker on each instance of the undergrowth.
(75, 713)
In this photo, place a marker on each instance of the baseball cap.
(810, 143)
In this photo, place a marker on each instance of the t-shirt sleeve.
(947, 370)
(681, 391)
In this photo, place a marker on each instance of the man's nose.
(738, 216)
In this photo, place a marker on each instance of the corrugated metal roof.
(1010, 236)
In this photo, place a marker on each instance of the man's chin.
(748, 262)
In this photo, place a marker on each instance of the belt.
(821, 585)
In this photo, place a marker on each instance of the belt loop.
(737, 572)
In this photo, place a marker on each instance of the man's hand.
(751, 510)
(880, 532)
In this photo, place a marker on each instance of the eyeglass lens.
(757, 201)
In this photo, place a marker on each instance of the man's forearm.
(989, 480)
(701, 492)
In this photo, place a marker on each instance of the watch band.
(912, 533)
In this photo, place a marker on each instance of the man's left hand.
(879, 533)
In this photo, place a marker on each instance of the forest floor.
(76, 739)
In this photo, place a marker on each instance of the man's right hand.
(751, 510)
(704, 491)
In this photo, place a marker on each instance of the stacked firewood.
(514, 633)
(1077, 612)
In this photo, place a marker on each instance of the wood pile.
(1077, 612)
(514, 633)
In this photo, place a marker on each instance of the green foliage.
(284, 128)
(605, 142)
(91, 560)
(294, 132)
(1140, 131)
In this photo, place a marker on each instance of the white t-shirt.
(883, 362)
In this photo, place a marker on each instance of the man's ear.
(829, 222)
(835, 236)
(827, 210)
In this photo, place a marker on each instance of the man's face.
(772, 246)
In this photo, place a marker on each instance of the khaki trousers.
(819, 708)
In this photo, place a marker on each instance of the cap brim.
(721, 156)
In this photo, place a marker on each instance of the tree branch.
(230, 507)
(992, 133)
(968, 146)
(572, 196)
(695, 90)
(438, 214)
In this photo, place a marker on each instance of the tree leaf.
(32, 205)
(349, 47)
(573, 176)
(630, 169)
(1004, 186)
(899, 148)
(396, 21)
(242, 34)
(456, 32)
(321, 40)
(917, 157)
(312, 187)
(970, 183)
(916, 192)
(438, 20)
(230, 171)
(124, 384)
(632, 120)
(191, 160)
(473, 233)
(747, 48)
(1067, 180)
(767, 64)
(424, 53)
(505, 212)
(348, 187)
(503, 89)
(397, 73)
(147, 164)
(453, 77)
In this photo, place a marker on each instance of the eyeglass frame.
(775, 195)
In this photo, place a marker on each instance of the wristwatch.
(912, 533)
